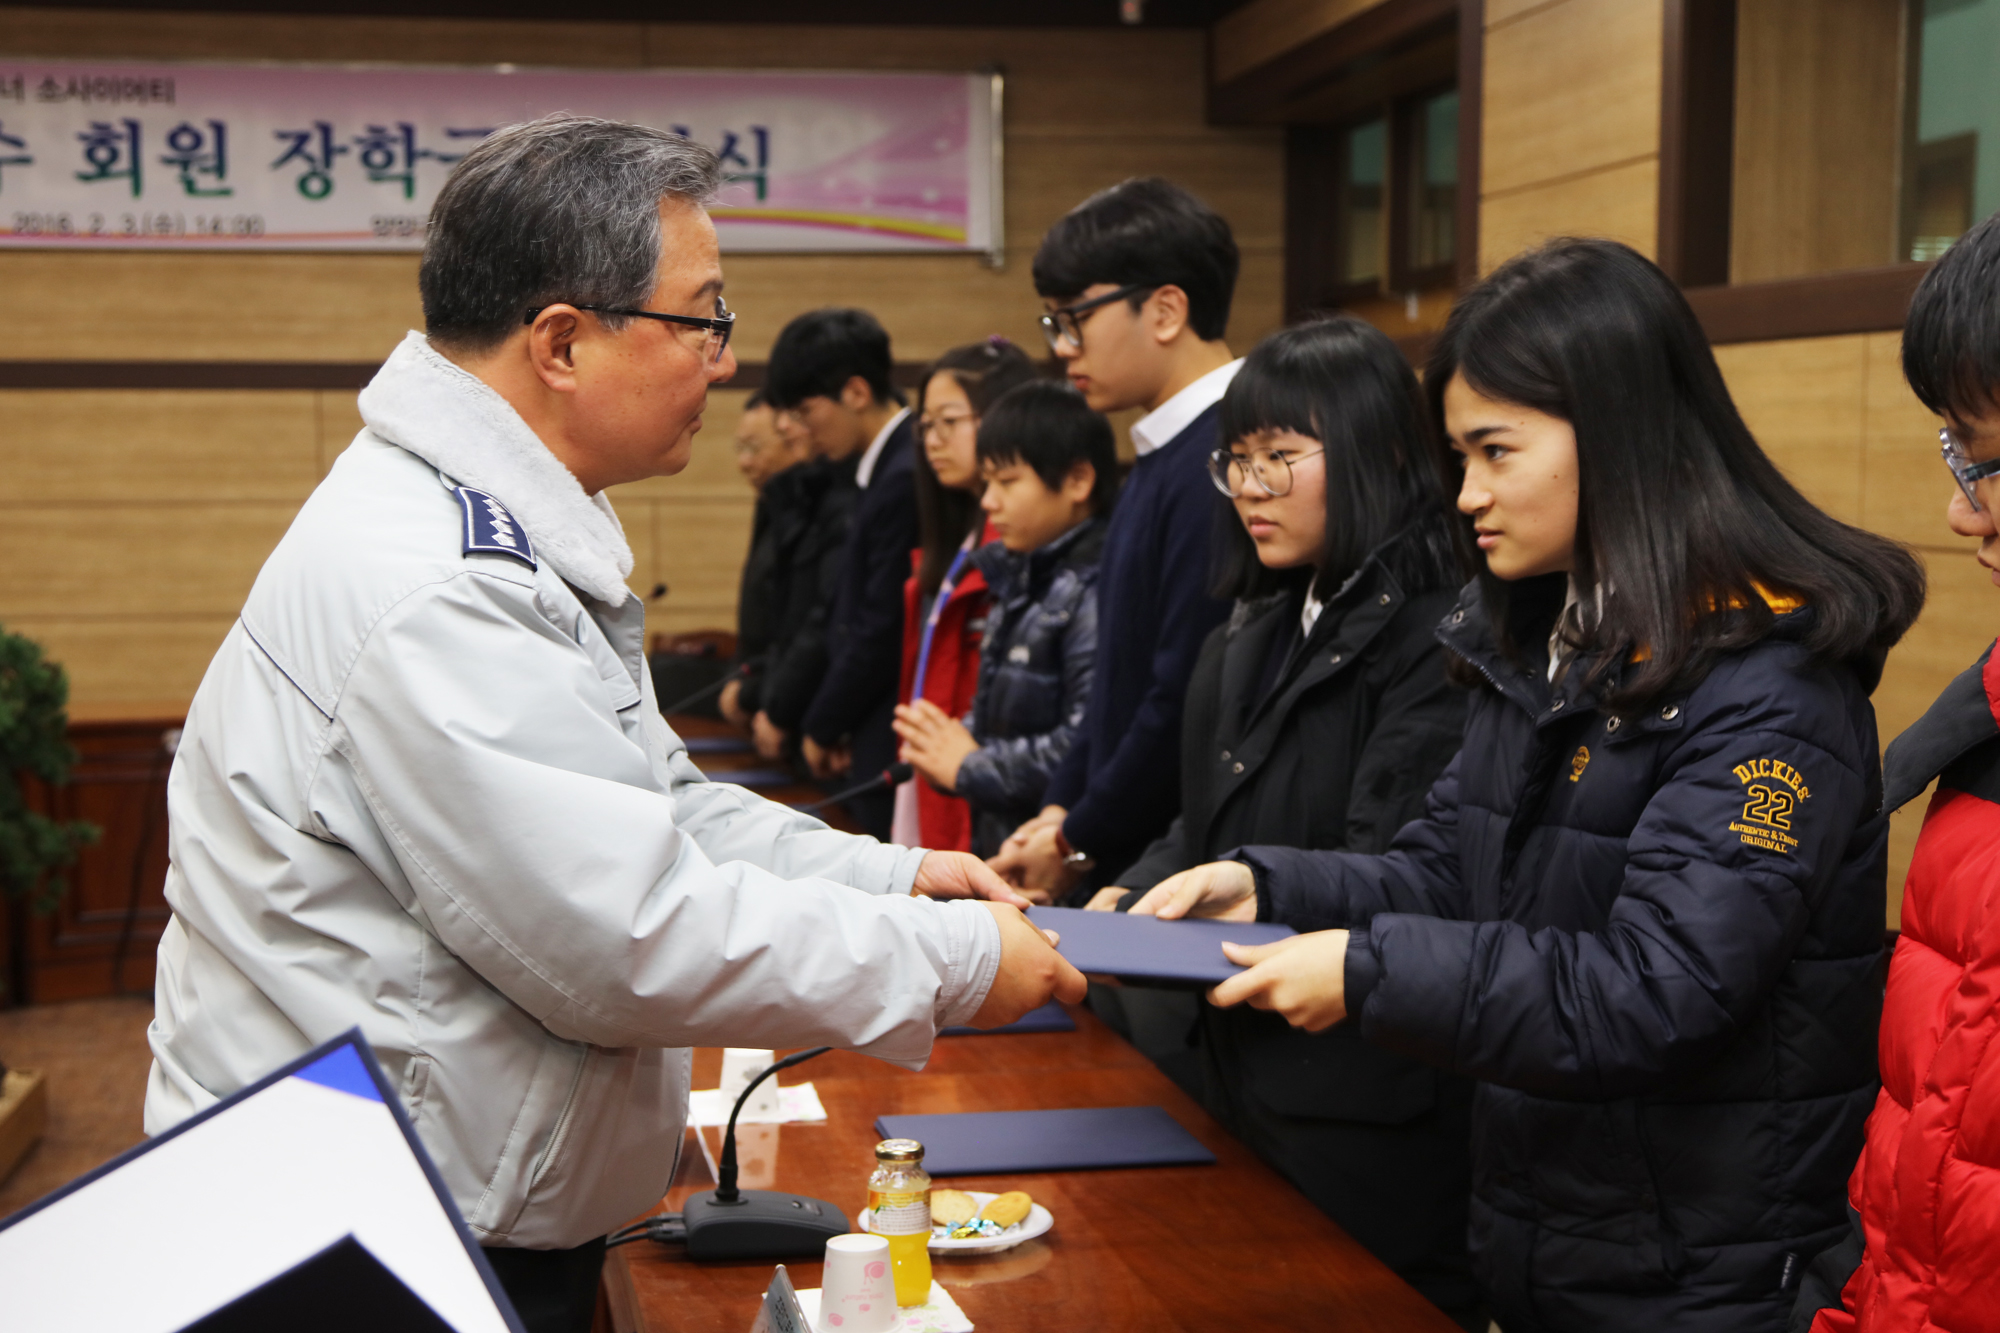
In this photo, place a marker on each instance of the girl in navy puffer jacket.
(1644, 906)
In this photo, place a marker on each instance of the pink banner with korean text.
(104, 155)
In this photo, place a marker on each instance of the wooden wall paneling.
(337, 420)
(1619, 203)
(1905, 484)
(1302, 83)
(135, 560)
(1855, 301)
(155, 446)
(116, 663)
(1267, 30)
(1818, 97)
(1697, 139)
(1569, 88)
(101, 938)
(1471, 135)
(1804, 401)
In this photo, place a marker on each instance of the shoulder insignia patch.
(1775, 789)
(491, 529)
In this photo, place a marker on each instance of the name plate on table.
(781, 1312)
(982, 1143)
(1185, 954)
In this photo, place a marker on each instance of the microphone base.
(761, 1224)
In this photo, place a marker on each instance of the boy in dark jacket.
(830, 369)
(1925, 1196)
(1051, 475)
(1137, 282)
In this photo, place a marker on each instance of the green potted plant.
(34, 742)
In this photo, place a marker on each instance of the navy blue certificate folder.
(1184, 953)
(986, 1143)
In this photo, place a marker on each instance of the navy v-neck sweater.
(1121, 781)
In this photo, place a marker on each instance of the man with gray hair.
(425, 788)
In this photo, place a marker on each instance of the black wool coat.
(1654, 938)
(1338, 751)
(856, 699)
(788, 586)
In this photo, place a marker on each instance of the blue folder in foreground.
(1185, 953)
(1051, 1017)
(985, 1143)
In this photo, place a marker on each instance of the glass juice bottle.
(899, 1210)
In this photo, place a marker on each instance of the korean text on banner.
(306, 157)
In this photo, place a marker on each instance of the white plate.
(1038, 1222)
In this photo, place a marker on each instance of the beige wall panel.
(1803, 401)
(1074, 79)
(145, 445)
(1961, 616)
(135, 560)
(1570, 88)
(701, 546)
(1232, 171)
(339, 421)
(1621, 203)
(128, 667)
(1907, 486)
(145, 35)
(169, 307)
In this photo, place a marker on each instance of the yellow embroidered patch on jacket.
(1578, 762)
(1773, 790)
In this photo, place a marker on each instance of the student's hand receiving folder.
(1225, 890)
(1186, 954)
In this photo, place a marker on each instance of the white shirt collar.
(1170, 418)
(866, 468)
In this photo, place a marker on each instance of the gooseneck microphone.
(745, 1224)
(895, 775)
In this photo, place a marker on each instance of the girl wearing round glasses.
(1318, 717)
(945, 600)
(1644, 906)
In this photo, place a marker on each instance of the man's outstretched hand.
(963, 875)
(1031, 972)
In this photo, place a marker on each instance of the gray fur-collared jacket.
(1034, 676)
(425, 790)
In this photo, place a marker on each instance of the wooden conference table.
(1197, 1248)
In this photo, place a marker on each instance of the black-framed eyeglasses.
(1272, 471)
(717, 327)
(1066, 322)
(1963, 469)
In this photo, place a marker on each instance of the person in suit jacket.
(1318, 716)
(830, 369)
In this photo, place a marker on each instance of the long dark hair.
(1342, 382)
(1682, 520)
(985, 370)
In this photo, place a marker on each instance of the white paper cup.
(857, 1293)
(739, 1066)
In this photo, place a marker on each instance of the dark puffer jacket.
(1335, 748)
(1655, 940)
(1034, 676)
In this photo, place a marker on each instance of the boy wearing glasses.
(830, 370)
(1925, 1196)
(1136, 283)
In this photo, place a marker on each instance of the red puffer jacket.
(950, 677)
(1927, 1186)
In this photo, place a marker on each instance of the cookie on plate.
(951, 1207)
(1007, 1209)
